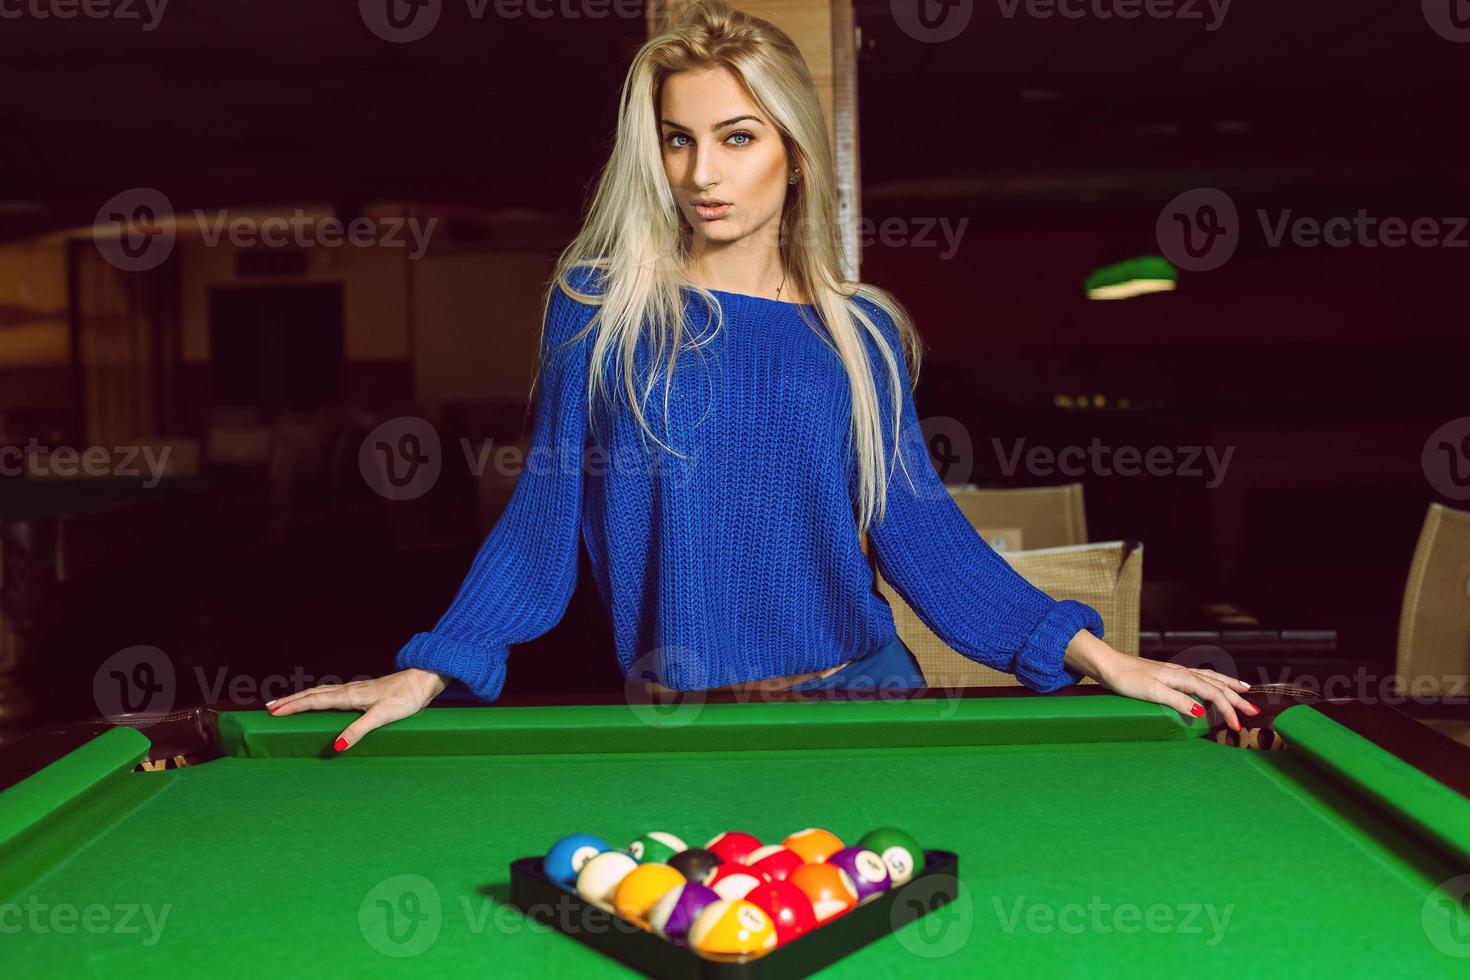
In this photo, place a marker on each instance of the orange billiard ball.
(827, 887)
(813, 845)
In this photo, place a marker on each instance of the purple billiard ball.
(865, 868)
(673, 914)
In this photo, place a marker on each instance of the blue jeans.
(890, 667)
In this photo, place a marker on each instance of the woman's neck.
(766, 279)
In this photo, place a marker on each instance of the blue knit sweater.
(741, 560)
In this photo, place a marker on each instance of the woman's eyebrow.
(717, 126)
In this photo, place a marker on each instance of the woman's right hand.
(381, 700)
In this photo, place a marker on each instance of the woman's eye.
(749, 138)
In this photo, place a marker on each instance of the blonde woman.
(720, 416)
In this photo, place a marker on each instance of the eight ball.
(696, 864)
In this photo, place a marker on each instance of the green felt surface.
(1097, 837)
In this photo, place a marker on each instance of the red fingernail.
(1197, 710)
(340, 744)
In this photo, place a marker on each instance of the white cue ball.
(599, 878)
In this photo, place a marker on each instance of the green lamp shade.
(1145, 274)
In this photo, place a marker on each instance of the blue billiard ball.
(565, 858)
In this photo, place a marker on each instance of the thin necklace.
(782, 286)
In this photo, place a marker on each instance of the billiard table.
(1097, 835)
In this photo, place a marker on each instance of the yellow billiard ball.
(641, 888)
(733, 927)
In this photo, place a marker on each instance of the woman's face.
(719, 147)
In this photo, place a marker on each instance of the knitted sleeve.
(967, 594)
(522, 577)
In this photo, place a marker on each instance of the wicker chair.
(1434, 627)
(1051, 523)
(1107, 575)
(1044, 517)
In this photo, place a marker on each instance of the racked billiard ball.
(828, 887)
(565, 858)
(733, 926)
(735, 880)
(599, 878)
(788, 907)
(641, 888)
(696, 864)
(673, 914)
(775, 861)
(656, 847)
(898, 849)
(733, 846)
(868, 872)
(814, 844)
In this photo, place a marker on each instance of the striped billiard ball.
(868, 872)
(673, 914)
(656, 847)
(899, 851)
(733, 846)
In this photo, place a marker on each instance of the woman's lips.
(711, 213)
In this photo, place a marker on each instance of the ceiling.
(265, 102)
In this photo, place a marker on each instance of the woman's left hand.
(1181, 688)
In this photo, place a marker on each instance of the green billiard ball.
(898, 849)
(656, 847)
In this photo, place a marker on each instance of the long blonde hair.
(642, 263)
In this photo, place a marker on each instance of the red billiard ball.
(775, 861)
(787, 906)
(734, 846)
(732, 880)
